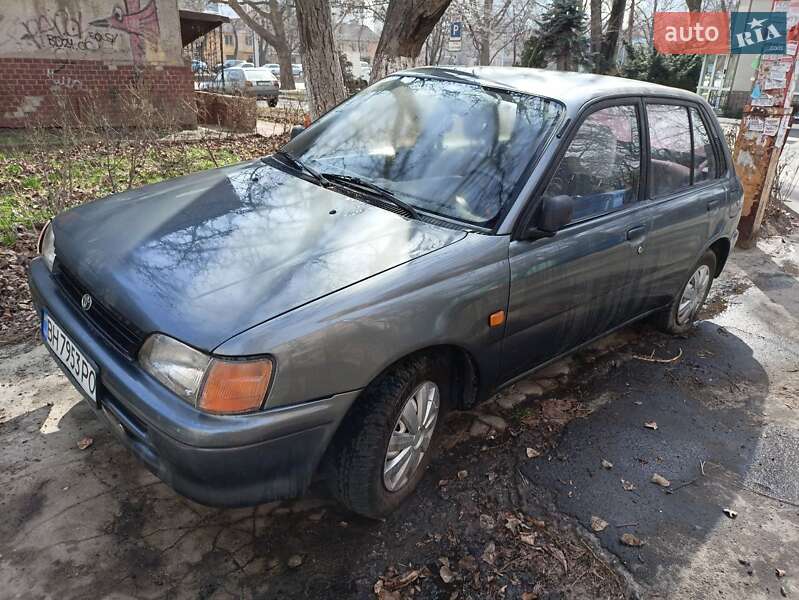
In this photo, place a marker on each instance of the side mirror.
(556, 212)
(295, 131)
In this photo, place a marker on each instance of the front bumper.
(218, 460)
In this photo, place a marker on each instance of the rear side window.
(705, 167)
(602, 165)
(670, 143)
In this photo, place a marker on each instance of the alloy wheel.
(411, 436)
(693, 294)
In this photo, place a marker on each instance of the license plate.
(68, 353)
(264, 83)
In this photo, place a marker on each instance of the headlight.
(214, 385)
(47, 245)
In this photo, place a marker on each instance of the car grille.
(113, 326)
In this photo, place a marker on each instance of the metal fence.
(207, 56)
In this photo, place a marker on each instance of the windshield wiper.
(351, 180)
(298, 164)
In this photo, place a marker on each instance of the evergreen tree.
(561, 38)
(675, 70)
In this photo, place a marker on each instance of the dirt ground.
(529, 498)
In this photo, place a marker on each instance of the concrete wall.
(89, 53)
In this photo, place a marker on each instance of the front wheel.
(387, 441)
(680, 316)
(273, 102)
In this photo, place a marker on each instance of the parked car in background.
(436, 237)
(296, 70)
(366, 71)
(232, 64)
(250, 81)
(274, 68)
(198, 66)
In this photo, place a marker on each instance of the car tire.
(679, 318)
(273, 103)
(362, 455)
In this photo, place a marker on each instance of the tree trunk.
(276, 38)
(405, 29)
(324, 82)
(484, 56)
(694, 5)
(631, 22)
(596, 32)
(286, 74)
(611, 37)
(235, 43)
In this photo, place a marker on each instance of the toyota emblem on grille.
(86, 302)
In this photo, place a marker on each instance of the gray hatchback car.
(432, 239)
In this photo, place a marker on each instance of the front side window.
(602, 165)
(451, 148)
(670, 143)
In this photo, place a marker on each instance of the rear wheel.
(273, 102)
(680, 316)
(387, 441)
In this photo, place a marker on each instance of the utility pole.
(764, 126)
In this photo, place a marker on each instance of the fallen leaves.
(85, 442)
(598, 524)
(628, 486)
(446, 574)
(779, 572)
(294, 561)
(489, 553)
(628, 539)
(606, 464)
(463, 474)
(651, 425)
(658, 479)
(533, 453)
(730, 513)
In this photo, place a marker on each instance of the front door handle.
(636, 233)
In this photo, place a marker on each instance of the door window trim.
(721, 162)
(530, 211)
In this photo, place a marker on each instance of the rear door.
(686, 194)
(574, 286)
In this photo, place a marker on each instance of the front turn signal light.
(235, 386)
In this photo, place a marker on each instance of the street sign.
(455, 37)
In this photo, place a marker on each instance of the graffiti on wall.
(141, 24)
(65, 31)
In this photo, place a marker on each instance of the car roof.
(573, 89)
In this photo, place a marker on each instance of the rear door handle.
(636, 233)
(713, 204)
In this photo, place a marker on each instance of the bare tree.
(324, 81)
(269, 20)
(434, 45)
(405, 29)
(493, 25)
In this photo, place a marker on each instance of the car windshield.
(450, 148)
(254, 74)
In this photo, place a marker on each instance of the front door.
(576, 285)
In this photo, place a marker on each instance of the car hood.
(204, 257)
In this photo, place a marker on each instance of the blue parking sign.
(455, 29)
